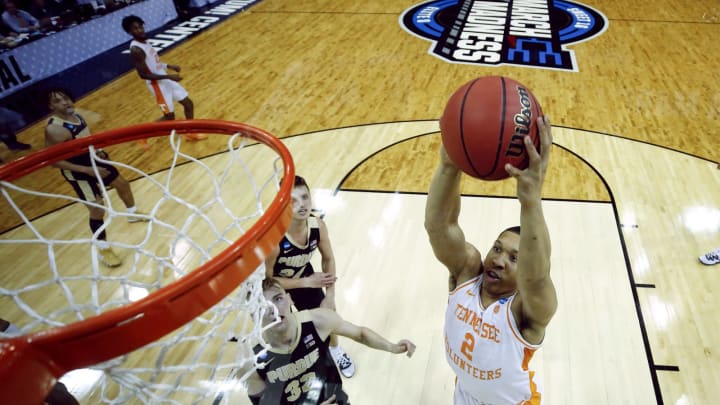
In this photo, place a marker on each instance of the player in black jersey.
(65, 125)
(298, 367)
(290, 264)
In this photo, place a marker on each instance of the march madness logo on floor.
(533, 33)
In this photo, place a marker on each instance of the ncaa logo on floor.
(532, 33)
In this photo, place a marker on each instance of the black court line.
(553, 125)
(325, 12)
(665, 21)
(645, 285)
(667, 368)
(638, 141)
(504, 197)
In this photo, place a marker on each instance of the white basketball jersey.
(152, 59)
(486, 351)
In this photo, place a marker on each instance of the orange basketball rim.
(31, 364)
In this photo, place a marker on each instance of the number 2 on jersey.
(468, 345)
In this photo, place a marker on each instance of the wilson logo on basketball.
(505, 32)
(522, 122)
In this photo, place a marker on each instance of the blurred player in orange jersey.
(164, 86)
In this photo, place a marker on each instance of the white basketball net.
(195, 209)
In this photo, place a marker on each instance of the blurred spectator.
(8, 39)
(46, 13)
(19, 20)
(183, 9)
(11, 121)
(87, 9)
(65, 9)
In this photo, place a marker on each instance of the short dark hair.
(58, 90)
(271, 282)
(128, 21)
(513, 229)
(299, 181)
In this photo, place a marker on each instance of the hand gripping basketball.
(530, 180)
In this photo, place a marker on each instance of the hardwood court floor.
(646, 96)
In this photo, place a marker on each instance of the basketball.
(484, 124)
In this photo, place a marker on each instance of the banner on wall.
(44, 57)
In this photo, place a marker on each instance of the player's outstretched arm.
(442, 210)
(538, 300)
(328, 322)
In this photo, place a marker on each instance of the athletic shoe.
(135, 217)
(346, 366)
(710, 257)
(108, 257)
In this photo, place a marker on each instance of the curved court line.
(391, 145)
(631, 278)
(554, 125)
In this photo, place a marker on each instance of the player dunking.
(164, 86)
(66, 125)
(289, 263)
(298, 368)
(498, 308)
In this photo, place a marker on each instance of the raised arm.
(442, 210)
(328, 322)
(138, 58)
(537, 300)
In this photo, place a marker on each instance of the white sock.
(131, 210)
(101, 244)
(336, 350)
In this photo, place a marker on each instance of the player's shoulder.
(472, 267)
(136, 49)
(55, 127)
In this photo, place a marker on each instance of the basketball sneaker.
(710, 258)
(137, 216)
(343, 362)
(108, 257)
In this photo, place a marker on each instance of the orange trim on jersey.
(516, 331)
(465, 284)
(535, 396)
(159, 97)
(527, 356)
